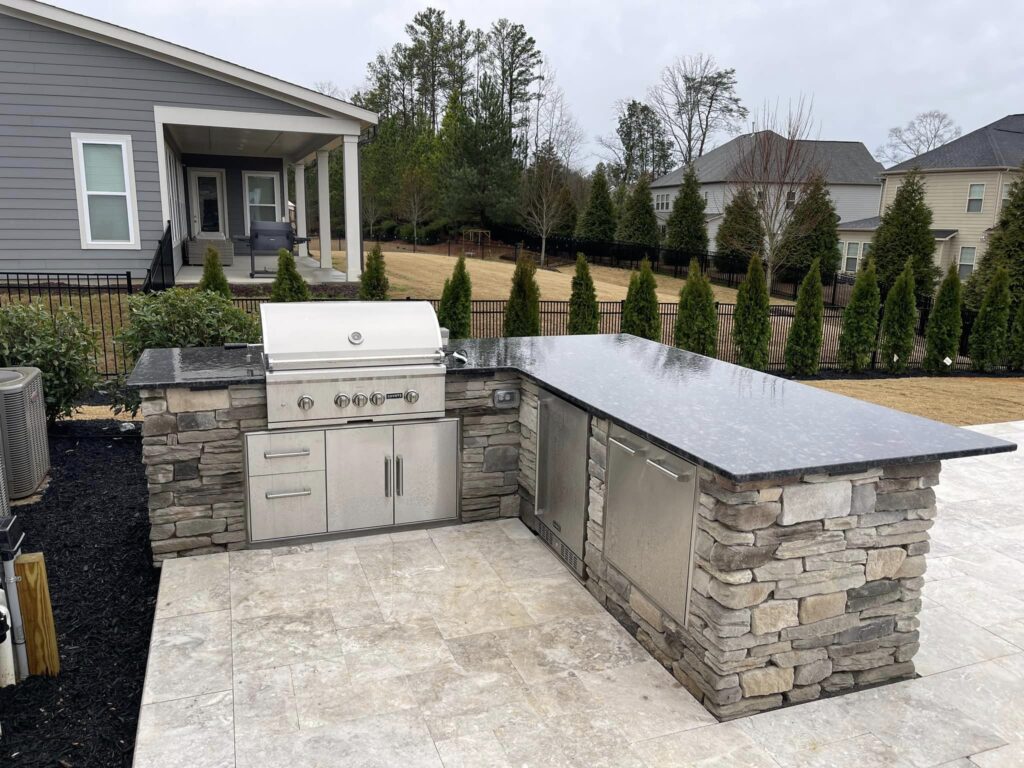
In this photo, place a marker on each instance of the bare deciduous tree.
(329, 88)
(542, 202)
(925, 132)
(557, 127)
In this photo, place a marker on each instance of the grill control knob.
(305, 402)
(359, 400)
(377, 398)
(342, 401)
(412, 396)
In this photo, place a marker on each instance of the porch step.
(197, 251)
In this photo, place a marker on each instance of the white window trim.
(246, 175)
(967, 205)
(125, 142)
(960, 256)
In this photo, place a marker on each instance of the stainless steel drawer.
(286, 505)
(273, 453)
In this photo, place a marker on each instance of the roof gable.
(996, 145)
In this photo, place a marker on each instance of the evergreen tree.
(899, 321)
(741, 233)
(811, 234)
(1015, 355)
(1005, 248)
(213, 278)
(288, 283)
(584, 316)
(942, 336)
(860, 321)
(905, 234)
(697, 318)
(373, 283)
(988, 336)
(803, 345)
(522, 312)
(455, 311)
(752, 328)
(638, 223)
(685, 229)
(567, 223)
(640, 313)
(598, 219)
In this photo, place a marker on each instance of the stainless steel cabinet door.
(360, 478)
(426, 471)
(562, 482)
(281, 506)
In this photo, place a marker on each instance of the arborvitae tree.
(288, 283)
(640, 312)
(899, 321)
(566, 226)
(988, 336)
(803, 345)
(455, 311)
(686, 229)
(697, 318)
(860, 321)
(741, 233)
(522, 313)
(905, 235)
(751, 324)
(1015, 347)
(598, 220)
(1005, 248)
(213, 278)
(584, 316)
(638, 223)
(373, 283)
(945, 324)
(812, 234)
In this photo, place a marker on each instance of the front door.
(209, 212)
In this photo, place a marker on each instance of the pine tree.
(899, 321)
(522, 312)
(752, 328)
(1005, 248)
(945, 324)
(373, 283)
(584, 316)
(640, 313)
(811, 234)
(988, 336)
(288, 283)
(860, 321)
(1015, 355)
(697, 318)
(685, 229)
(598, 220)
(455, 312)
(639, 224)
(213, 278)
(741, 233)
(803, 345)
(903, 235)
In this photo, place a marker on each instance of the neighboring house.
(850, 171)
(965, 184)
(109, 138)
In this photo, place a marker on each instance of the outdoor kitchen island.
(763, 540)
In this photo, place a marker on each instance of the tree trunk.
(543, 250)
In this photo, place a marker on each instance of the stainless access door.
(360, 478)
(562, 435)
(426, 471)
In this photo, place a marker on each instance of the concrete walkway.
(472, 646)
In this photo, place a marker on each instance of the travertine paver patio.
(473, 646)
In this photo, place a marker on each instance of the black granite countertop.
(743, 424)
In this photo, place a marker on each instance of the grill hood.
(349, 334)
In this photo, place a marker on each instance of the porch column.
(353, 215)
(324, 204)
(300, 205)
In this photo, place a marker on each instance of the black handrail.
(160, 275)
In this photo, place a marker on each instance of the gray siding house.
(109, 138)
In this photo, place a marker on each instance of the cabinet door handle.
(682, 476)
(624, 446)
(387, 477)
(286, 454)
(399, 476)
(288, 494)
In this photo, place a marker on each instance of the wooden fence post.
(37, 615)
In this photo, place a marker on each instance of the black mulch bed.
(92, 526)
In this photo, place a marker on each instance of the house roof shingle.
(871, 223)
(996, 145)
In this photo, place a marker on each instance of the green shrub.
(741, 233)
(213, 274)
(752, 327)
(803, 345)
(945, 325)
(584, 315)
(60, 345)
(1015, 356)
(898, 322)
(373, 283)
(288, 283)
(522, 312)
(455, 311)
(640, 315)
(988, 336)
(697, 319)
(860, 321)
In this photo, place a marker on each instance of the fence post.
(128, 277)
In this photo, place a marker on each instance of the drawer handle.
(288, 494)
(286, 454)
(626, 447)
(682, 477)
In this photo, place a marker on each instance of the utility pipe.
(14, 606)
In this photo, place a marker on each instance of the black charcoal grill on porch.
(269, 237)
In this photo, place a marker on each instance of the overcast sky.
(867, 65)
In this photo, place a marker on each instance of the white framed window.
(966, 262)
(975, 198)
(1006, 193)
(262, 196)
(865, 249)
(791, 200)
(852, 250)
(108, 213)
